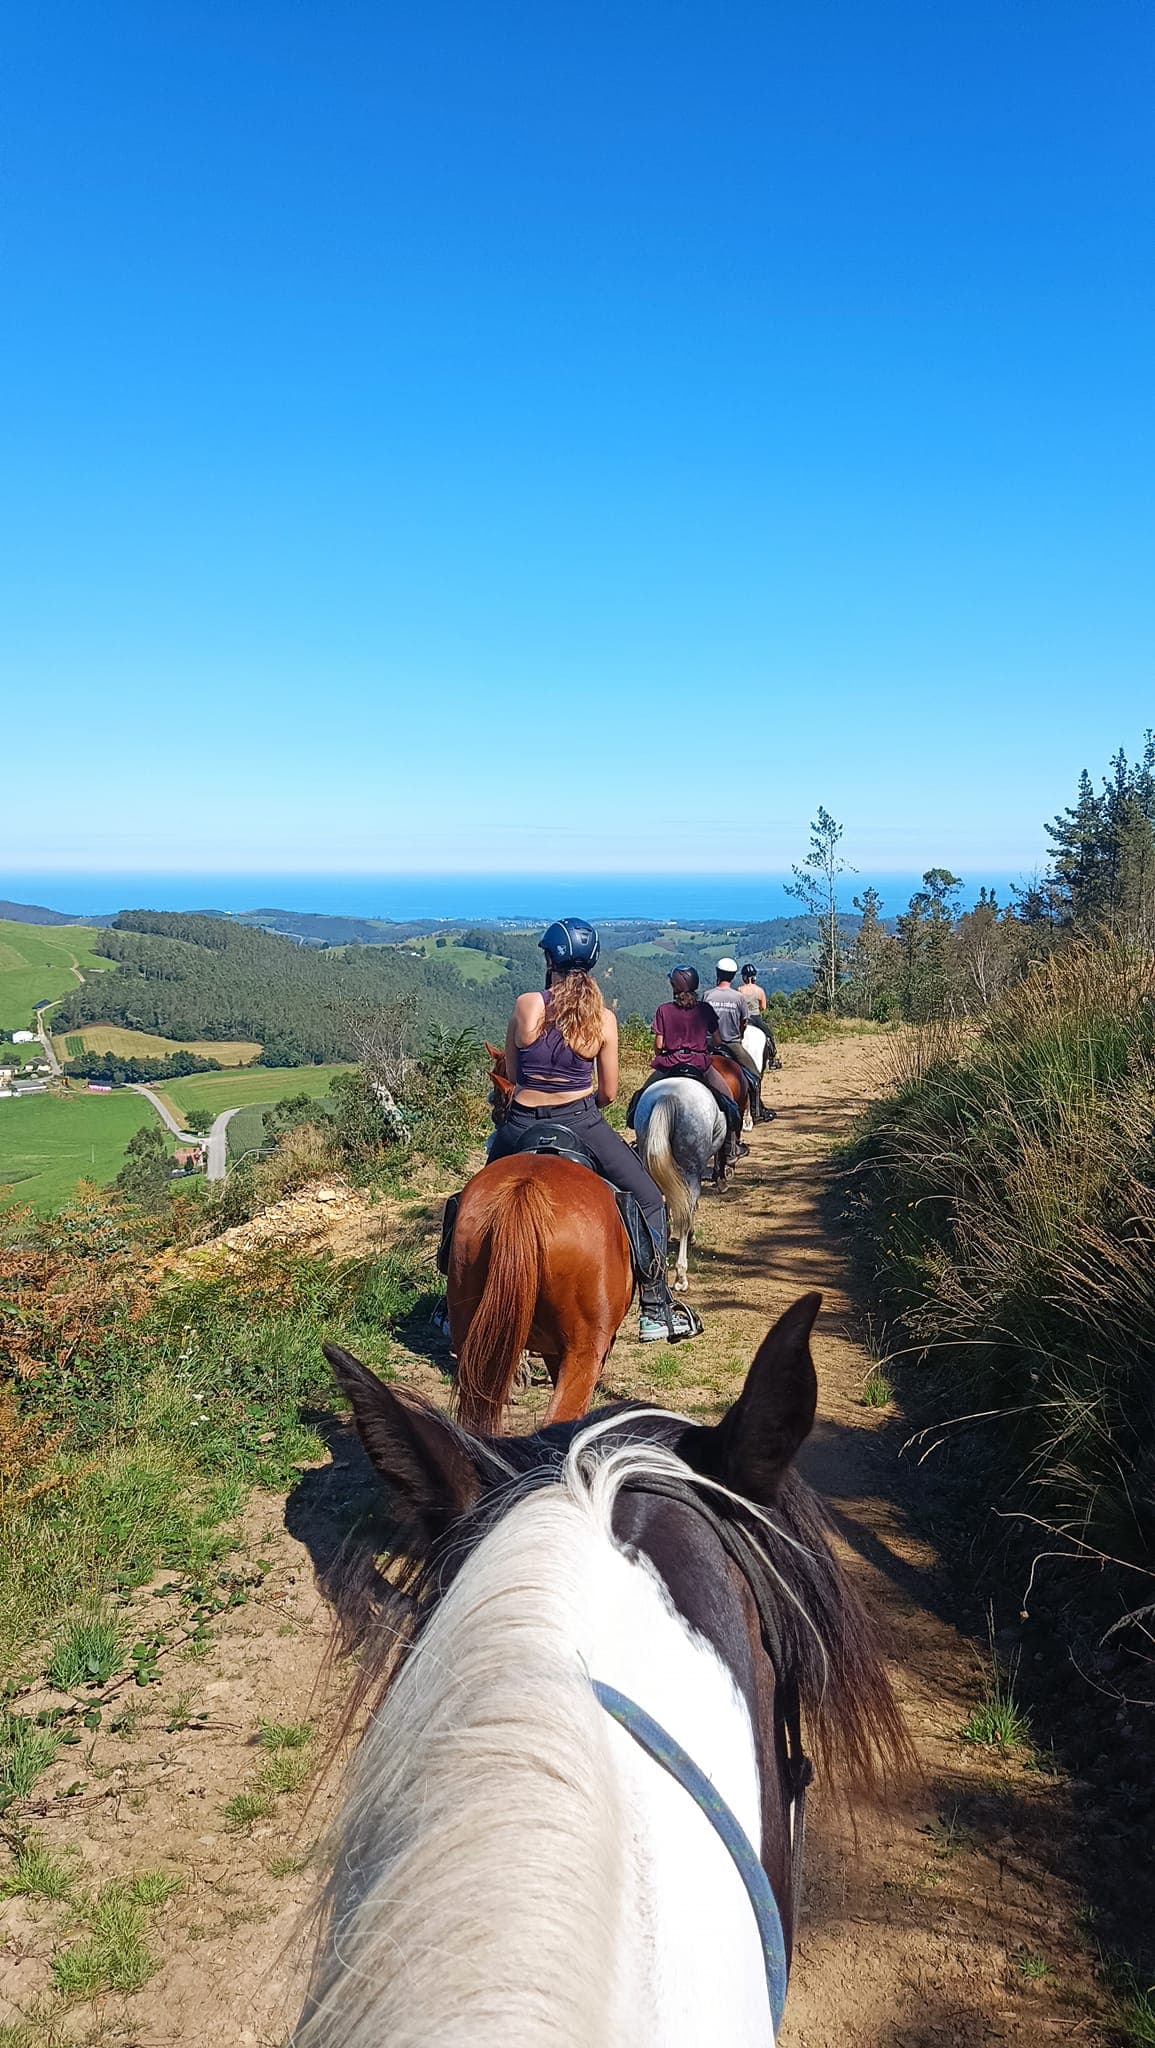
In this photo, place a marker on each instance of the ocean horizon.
(690, 899)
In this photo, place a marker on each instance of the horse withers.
(574, 1818)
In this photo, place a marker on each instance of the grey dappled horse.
(680, 1130)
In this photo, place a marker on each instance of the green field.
(248, 1084)
(49, 1142)
(466, 960)
(246, 1131)
(36, 962)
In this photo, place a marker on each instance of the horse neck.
(510, 1867)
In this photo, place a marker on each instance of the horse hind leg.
(575, 1378)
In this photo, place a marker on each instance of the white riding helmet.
(726, 967)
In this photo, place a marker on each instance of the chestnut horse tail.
(659, 1162)
(519, 1216)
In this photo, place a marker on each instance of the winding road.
(217, 1151)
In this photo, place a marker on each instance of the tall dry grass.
(1008, 1182)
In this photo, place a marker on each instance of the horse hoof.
(681, 1286)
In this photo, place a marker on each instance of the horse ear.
(496, 1052)
(754, 1445)
(424, 1459)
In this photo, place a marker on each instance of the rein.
(653, 1738)
(794, 1765)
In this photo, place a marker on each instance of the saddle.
(557, 1141)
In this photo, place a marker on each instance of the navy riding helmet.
(571, 942)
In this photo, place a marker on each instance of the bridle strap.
(661, 1746)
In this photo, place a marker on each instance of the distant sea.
(691, 899)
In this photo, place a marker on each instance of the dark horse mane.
(828, 1642)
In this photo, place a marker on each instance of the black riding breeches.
(618, 1161)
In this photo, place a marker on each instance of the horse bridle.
(794, 1765)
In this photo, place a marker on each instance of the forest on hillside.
(188, 976)
(192, 975)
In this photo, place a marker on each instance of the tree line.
(937, 957)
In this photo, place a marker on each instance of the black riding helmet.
(682, 978)
(749, 972)
(571, 942)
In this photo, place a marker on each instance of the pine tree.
(924, 937)
(816, 885)
(872, 982)
(1078, 839)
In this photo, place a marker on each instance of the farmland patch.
(148, 1045)
(247, 1084)
(50, 1142)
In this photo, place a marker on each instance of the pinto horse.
(575, 1815)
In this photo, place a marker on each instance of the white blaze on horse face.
(690, 1959)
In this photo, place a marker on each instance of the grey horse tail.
(659, 1162)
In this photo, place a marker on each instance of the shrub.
(1008, 1183)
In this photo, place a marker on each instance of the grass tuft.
(286, 1771)
(877, 1389)
(153, 1887)
(116, 1956)
(275, 1735)
(246, 1809)
(37, 1874)
(26, 1751)
(998, 1722)
(1136, 2015)
(87, 1653)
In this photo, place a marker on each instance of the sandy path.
(915, 1938)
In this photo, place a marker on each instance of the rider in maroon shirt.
(685, 1036)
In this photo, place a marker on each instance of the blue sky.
(571, 438)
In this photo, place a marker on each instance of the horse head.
(502, 1089)
(675, 1576)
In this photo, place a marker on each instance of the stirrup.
(679, 1311)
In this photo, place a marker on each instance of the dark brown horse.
(539, 1262)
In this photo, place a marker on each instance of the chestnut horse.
(539, 1262)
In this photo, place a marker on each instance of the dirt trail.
(948, 1924)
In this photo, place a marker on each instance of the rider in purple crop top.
(552, 1066)
(562, 1048)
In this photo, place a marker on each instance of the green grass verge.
(171, 1417)
(50, 1142)
(36, 965)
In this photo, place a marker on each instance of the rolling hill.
(37, 963)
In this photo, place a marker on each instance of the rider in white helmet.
(730, 1011)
